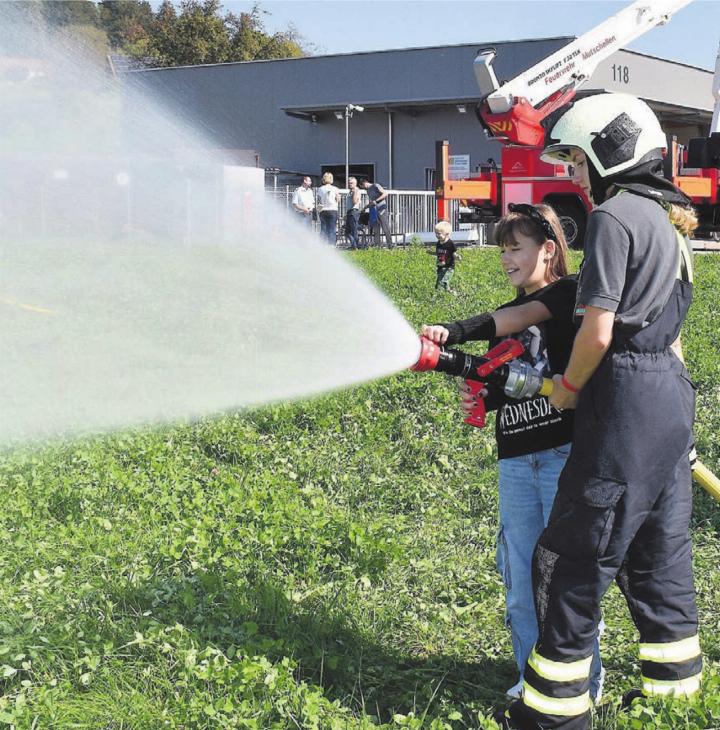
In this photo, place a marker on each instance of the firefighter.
(623, 505)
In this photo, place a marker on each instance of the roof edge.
(477, 44)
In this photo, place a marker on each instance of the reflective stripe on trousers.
(557, 688)
(671, 667)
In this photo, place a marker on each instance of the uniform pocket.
(691, 395)
(601, 497)
(582, 528)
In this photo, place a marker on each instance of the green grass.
(328, 564)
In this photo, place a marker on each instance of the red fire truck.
(512, 113)
(523, 177)
(697, 170)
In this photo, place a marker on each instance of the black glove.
(480, 327)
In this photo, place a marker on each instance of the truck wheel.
(573, 219)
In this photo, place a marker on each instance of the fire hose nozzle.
(499, 366)
(429, 356)
(471, 367)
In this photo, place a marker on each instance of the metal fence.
(409, 212)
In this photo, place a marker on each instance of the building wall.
(413, 142)
(655, 80)
(240, 105)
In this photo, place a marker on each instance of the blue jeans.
(351, 227)
(527, 489)
(328, 225)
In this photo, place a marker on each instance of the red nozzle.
(429, 355)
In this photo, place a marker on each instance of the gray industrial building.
(289, 112)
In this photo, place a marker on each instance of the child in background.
(533, 438)
(445, 251)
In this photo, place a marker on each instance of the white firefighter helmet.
(615, 131)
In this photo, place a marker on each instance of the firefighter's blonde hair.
(684, 218)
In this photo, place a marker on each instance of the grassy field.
(328, 564)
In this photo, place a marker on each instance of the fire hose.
(518, 379)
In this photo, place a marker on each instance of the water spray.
(518, 380)
(146, 278)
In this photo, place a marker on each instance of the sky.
(345, 26)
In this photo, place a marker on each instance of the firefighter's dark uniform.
(622, 511)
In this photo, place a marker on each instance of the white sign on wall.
(458, 167)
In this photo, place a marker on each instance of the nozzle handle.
(477, 415)
(500, 354)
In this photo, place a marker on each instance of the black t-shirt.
(531, 425)
(445, 252)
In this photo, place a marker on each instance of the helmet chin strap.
(598, 185)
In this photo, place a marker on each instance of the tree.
(68, 12)
(25, 24)
(126, 22)
(250, 42)
(199, 33)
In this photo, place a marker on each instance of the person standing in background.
(303, 200)
(352, 213)
(328, 200)
(377, 196)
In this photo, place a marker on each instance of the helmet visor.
(558, 154)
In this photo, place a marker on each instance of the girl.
(533, 438)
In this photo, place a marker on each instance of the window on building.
(358, 171)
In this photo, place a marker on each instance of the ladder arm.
(537, 92)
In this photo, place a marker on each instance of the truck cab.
(524, 177)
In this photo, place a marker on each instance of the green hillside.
(328, 564)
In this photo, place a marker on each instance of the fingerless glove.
(480, 327)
